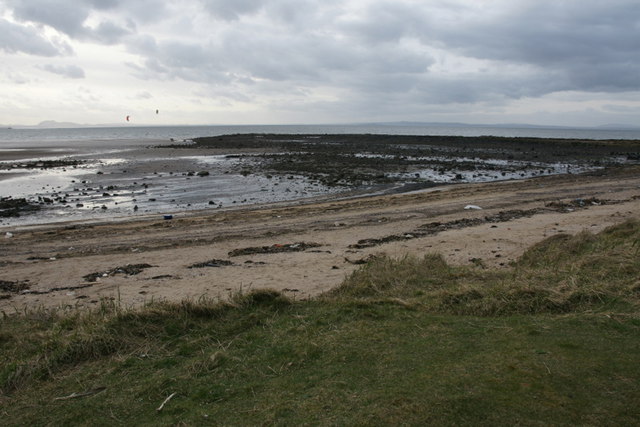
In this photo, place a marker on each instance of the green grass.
(555, 339)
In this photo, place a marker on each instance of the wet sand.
(141, 181)
(78, 264)
(101, 182)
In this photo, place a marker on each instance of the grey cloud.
(143, 95)
(627, 109)
(586, 45)
(144, 45)
(561, 46)
(306, 57)
(362, 50)
(590, 42)
(149, 11)
(18, 79)
(69, 17)
(104, 4)
(109, 33)
(618, 76)
(232, 9)
(27, 39)
(291, 62)
(67, 71)
(301, 15)
(384, 22)
(65, 16)
(184, 55)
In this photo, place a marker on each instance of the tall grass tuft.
(45, 341)
(411, 341)
(561, 274)
(406, 276)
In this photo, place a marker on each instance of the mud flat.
(249, 169)
(357, 160)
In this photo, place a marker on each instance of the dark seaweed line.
(503, 216)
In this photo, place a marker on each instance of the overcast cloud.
(572, 62)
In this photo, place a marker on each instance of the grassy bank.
(554, 339)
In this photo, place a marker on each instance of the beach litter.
(473, 207)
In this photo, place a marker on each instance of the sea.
(98, 137)
(80, 194)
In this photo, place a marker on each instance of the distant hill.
(611, 126)
(618, 126)
(52, 124)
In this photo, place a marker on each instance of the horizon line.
(53, 124)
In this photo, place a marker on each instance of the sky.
(544, 62)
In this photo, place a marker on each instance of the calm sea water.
(113, 137)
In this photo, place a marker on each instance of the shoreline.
(51, 263)
(257, 169)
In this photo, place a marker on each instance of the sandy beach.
(300, 249)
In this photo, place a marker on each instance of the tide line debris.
(212, 263)
(13, 286)
(275, 248)
(9, 288)
(433, 228)
(129, 270)
(63, 288)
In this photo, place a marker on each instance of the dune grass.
(562, 274)
(554, 339)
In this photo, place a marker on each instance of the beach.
(304, 248)
(113, 179)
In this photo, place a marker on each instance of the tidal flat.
(229, 171)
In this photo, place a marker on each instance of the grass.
(410, 341)
(562, 274)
